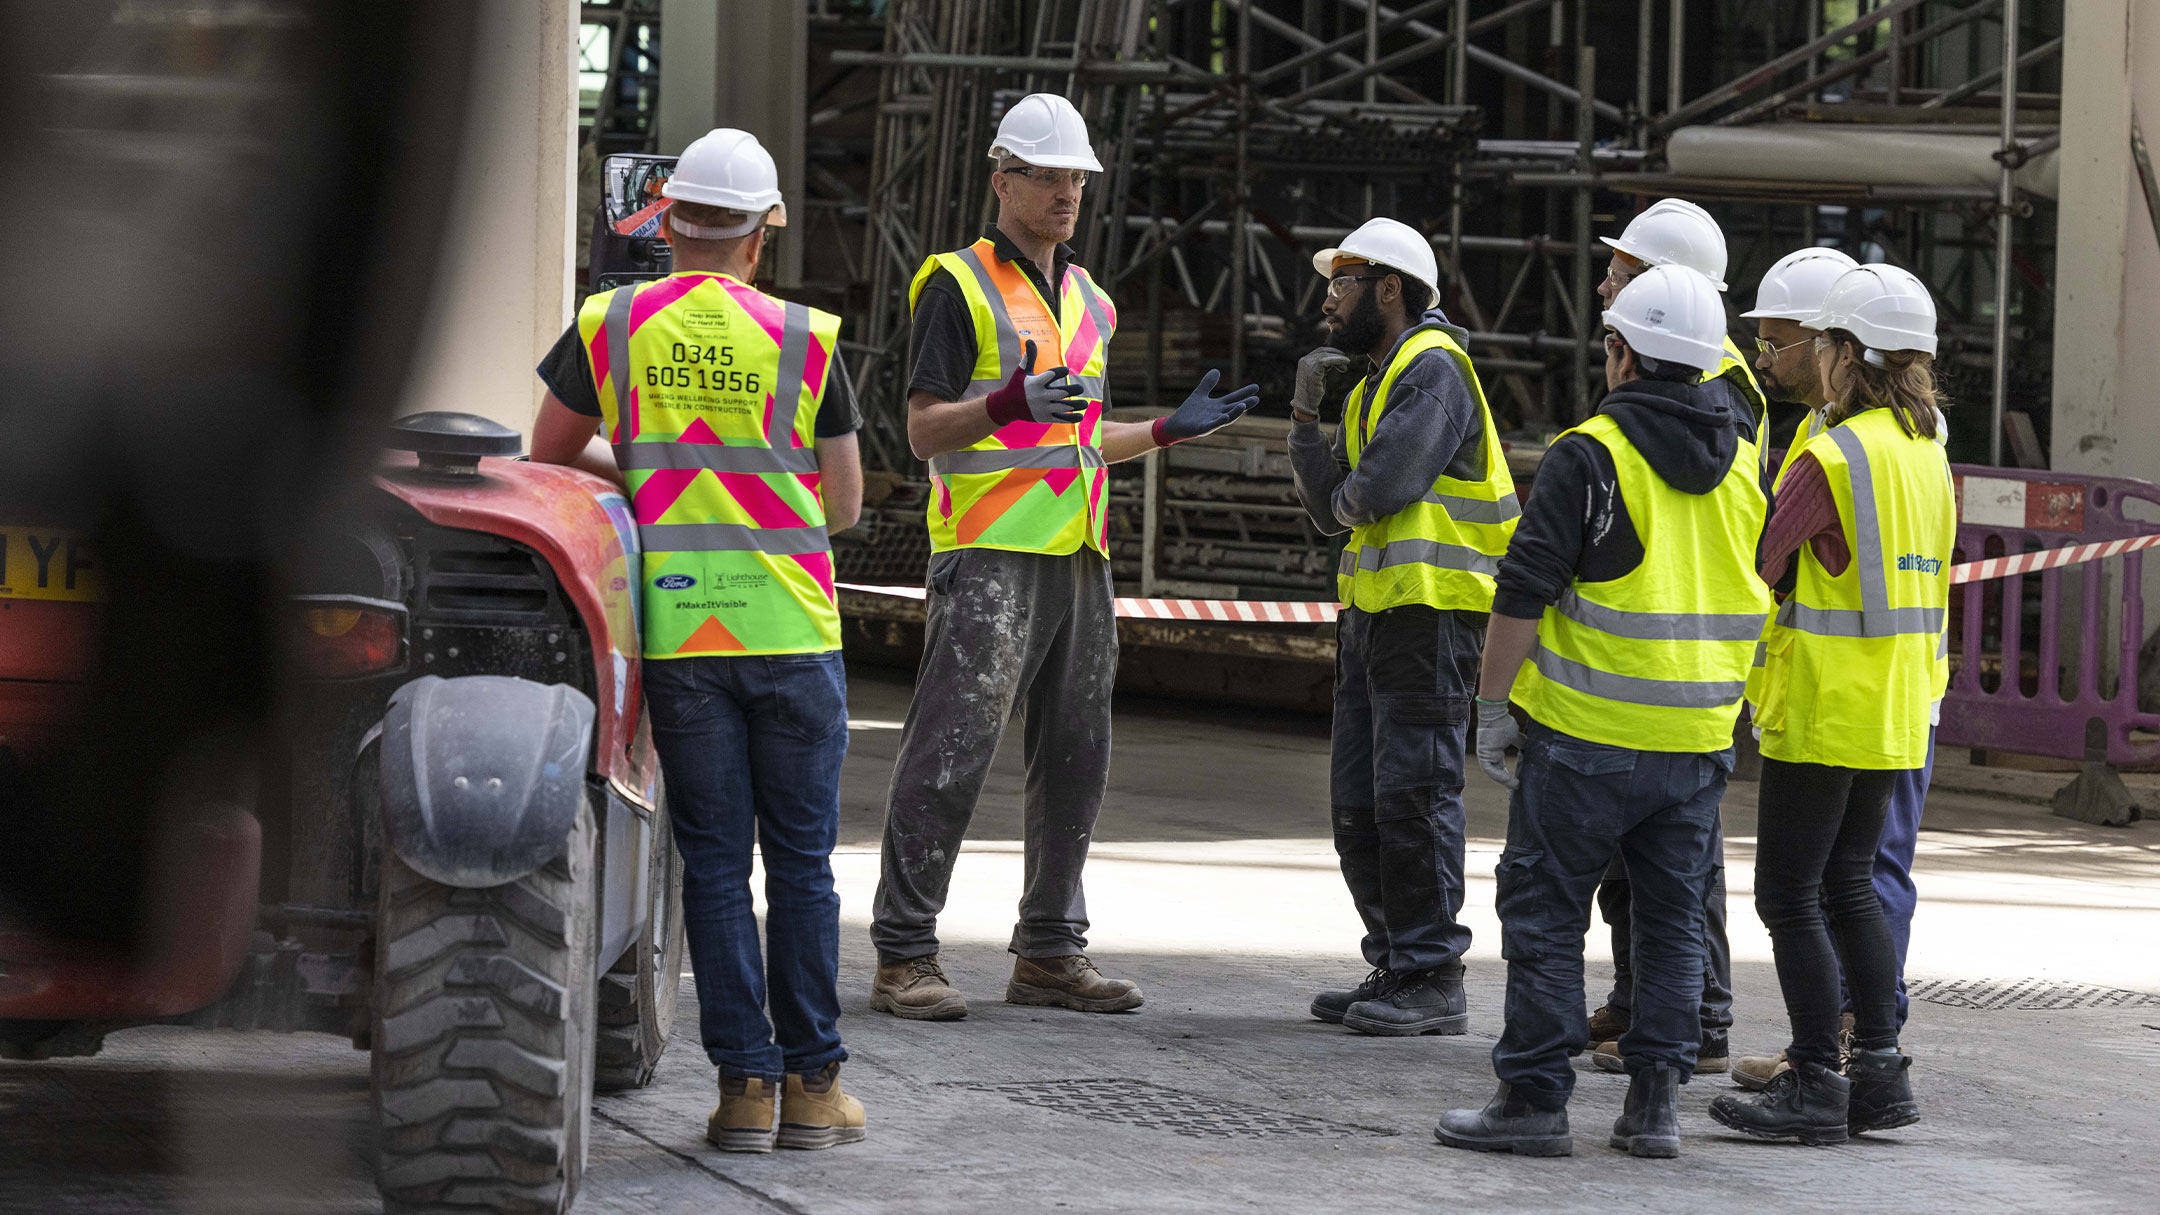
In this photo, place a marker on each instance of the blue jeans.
(1403, 679)
(751, 749)
(1892, 875)
(1580, 804)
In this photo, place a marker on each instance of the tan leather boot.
(1607, 1058)
(815, 1114)
(1755, 1072)
(915, 989)
(1607, 1024)
(1068, 982)
(744, 1121)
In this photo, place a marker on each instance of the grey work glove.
(1314, 372)
(1496, 732)
(1203, 411)
(1037, 396)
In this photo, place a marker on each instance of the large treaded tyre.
(638, 994)
(483, 1036)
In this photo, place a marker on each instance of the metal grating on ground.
(1157, 1108)
(2035, 994)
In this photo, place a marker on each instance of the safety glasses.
(1774, 351)
(1050, 177)
(1339, 286)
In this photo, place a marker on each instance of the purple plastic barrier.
(2020, 511)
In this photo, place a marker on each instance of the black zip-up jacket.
(1575, 525)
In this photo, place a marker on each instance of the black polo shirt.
(941, 337)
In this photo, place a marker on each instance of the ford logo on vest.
(674, 582)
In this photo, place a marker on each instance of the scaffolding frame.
(1218, 182)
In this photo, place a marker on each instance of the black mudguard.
(482, 775)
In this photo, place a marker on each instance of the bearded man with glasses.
(1416, 476)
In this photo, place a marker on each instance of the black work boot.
(1807, 1103)
(1330, 1006)
(1414, 1002)
(1881, 1091)
(1507, 1124)
(1649, 1124)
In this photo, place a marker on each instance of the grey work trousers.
(1007, 632)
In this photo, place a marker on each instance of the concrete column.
(2107, 279)
(503, 293)
(750, 70)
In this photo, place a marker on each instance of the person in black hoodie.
(1624, 622)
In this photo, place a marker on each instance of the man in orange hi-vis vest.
(1006, 403)
(733, 428)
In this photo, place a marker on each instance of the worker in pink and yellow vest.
(733, 427)
(1006, 402)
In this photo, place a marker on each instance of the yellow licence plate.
(47, 563)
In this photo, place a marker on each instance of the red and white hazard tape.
(1278, 611)
(2047, 559)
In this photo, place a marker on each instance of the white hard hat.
(729, 168)
(1885, 307)
(1793, 290)
(1044, 129)
(1391, 243)
(1672, 314)
(1676, 232)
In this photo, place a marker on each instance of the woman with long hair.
(1843, 690)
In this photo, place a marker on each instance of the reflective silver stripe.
(1942, 647)
(1008, 339)
(1762, 652)
(1845, 622)
(1414, 551)
(794, 352)
(618, 349)
(1635, 690)
(1867, 527)
(1662, 626)
(1477, 510)
(995, 460)
(731, 538)
(715, 456)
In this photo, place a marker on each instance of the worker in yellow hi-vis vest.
(1417, 477)
(733, 428)
(1624, 618)
(1843, 692)
(1006, 401)
(1675, 232)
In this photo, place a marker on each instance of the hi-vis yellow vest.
(1849, 668)
(1734, 366)
(1443, 549)
(1809, 425)
(1657, 659)
(1029, 487)
(709, 390)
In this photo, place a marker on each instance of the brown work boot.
(744, 1121)
(1607, 1024)
(1068, 982)
(1755, 1072)
(814, 1113)
(1606, 1058)
(915, 989)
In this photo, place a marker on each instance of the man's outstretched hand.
(1204, 412)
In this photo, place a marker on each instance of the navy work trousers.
(1403, 679)
(1580, 804)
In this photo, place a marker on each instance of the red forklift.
(461, 860)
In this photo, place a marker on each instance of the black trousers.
(1814, 877)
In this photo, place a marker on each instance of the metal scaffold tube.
(2005, 217)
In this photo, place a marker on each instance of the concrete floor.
(1213, 884)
